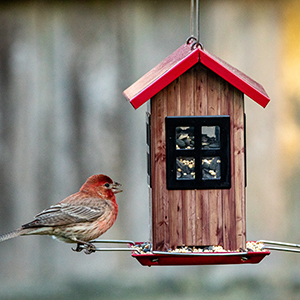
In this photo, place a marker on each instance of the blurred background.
(63, 67)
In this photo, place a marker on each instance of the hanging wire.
(192, 19)
(194, 38)
(198, 19)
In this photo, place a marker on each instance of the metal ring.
(196, 45)
(190, 39)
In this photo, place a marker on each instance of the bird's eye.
(106, 185)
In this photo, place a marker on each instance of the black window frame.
(197, 152)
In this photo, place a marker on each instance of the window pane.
(211, 168)
(185, 137)
(185, 167)
(210, 137)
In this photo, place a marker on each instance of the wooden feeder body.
(200, 217)
(193, 82)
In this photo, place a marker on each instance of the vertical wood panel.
(153, 174)
(234, 179)
(228, 196)
(215, 201)
(239, 168)
(187, 108)
(160, 200)
(175, 196)
(202, 201)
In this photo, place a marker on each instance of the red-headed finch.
(79, 218)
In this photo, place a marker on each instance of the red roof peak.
(179, 62)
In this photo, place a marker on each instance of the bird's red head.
(101, 184)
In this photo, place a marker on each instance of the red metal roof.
(179, 62)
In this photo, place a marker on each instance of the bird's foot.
(90, 248)
(79, 247)
(86, 246)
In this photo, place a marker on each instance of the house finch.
(79, 218)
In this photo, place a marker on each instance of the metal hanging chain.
(194, 40)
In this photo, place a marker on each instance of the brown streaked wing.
(64, 214)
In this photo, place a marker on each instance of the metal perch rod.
(127, 242)
(114, 249)
(113, 242)
(290, 245)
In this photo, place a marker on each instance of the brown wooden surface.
(175, 196)
(214, 196)
(198, 217)
(239, 167)
(159, 193)
(228, 196)
(202, 200)
(187, 108)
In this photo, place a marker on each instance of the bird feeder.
(196, 158)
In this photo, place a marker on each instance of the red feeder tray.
(160, 258)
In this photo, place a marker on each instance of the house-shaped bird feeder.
(196, 159)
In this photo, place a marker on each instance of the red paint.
(165, 80)
(223, 258)
(179, 62)
(160, 76)
(235, 77)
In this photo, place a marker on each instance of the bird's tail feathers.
(12, 234)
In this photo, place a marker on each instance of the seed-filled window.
(185, 167)
(211, 168)
(185, 137)
(198, 152)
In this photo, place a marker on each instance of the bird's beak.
(115, 188)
